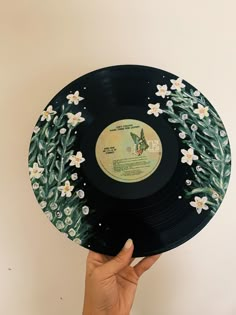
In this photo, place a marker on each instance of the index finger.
(145, 264)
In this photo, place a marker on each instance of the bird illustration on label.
(140, 142)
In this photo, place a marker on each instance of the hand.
(111, 282)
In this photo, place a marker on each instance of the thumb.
(120, 261)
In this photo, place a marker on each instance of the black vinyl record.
(129, 152)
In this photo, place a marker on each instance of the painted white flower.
(199, 204)
(188, 182)
(74, 98)
(60, 225)
(58, 214)
(77, 241)
(46, 114)
(74, 176)
(74, 119)
(199, 169)
(222, 133)
(189, 156)
(36, 129)
(162, 91)
(177, 84)
(49, 215)
(43, 204)
(53, 206)
(66, 189)
(154, 109)
(67, 211)
(76, 159)
(80, 193)
(182, 135)
(215, 195)
(72, 232)
(196, 93)
(68, 221)
(201, 111)
(62, 131)
(35, 186)
(36, 171)
(85, 210)
(184, 116)
(169, 103)
(194, 127)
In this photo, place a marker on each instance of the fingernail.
(128, 243)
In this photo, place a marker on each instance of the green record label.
(128, 150)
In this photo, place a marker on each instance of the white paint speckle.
(180, 197)
(75, 132)
(99, 224)
(85, 88)
(89, 245)
(84, 184)
(84, 107)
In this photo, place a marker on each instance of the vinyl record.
(129, 152)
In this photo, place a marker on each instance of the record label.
(128, 150)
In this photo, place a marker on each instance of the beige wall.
(43, 46)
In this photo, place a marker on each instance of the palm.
(116, 291)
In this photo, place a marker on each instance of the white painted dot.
(163, 76)
(89, 245)
(148, 82)
(99, 224)
(85, 88)
(84, 184)
(84, 107)
(70, 91)
(180, 197)
(174, 128)
(75, 132)
(148, 98)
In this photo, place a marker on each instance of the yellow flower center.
(199, 204)
(189, 155)
(74, 118)
(162, 90)
(77, 159)
(177, 83)
(67, 188)
(202, 111)
(35, 171)
(154, 109)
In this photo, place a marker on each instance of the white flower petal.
(199, 210)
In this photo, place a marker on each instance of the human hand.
(111, 282)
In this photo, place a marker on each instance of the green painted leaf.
(227, 158)
(71, 141)
(59, 150)
(227, 172)
(51, 193)
(217, 156)
(42, 193)
(41, 145)
(172, 120)
(208, 133)
(214, 145)
(216, 166)
(50, 158)
(40, 159)
(47, 133)
(51, 178)
(55, 120)
(225, 142)
(57, 164)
